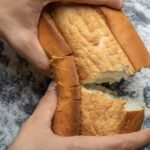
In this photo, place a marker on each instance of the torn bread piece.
(104, 114)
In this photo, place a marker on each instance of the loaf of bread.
(89, 45)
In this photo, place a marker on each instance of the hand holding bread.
(36, 133)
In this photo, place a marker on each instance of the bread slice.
(88, 45)
(98, 55)
(102, 114)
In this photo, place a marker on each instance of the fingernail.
(52, 86)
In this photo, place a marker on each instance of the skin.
(18, 25)
(36, 133)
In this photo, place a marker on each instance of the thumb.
(46, 108)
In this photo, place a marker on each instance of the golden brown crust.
(50, 38)
(127, 37)
(65, 71)
(63, 66)
(69, 92)
(132, 121)
(66, 119)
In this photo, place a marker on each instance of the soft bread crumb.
(134, 105)
(103, 114)
(94, 47)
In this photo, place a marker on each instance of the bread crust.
(65, 71)
(132, 121)
(62, 64)
(67, 116)
(66, 119)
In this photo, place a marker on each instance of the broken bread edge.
(103, 114)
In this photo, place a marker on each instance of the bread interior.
(130, 105)
(109, 76)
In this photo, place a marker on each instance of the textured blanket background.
(21, 87)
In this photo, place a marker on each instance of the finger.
(111, 3)
(27, 45)
(46, 108)
(36, 56)
(132, 141)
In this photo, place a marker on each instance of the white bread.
(86, 48)
(97, 53)
(103, 114)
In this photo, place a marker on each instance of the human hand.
(19, 21)
(36, 133)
